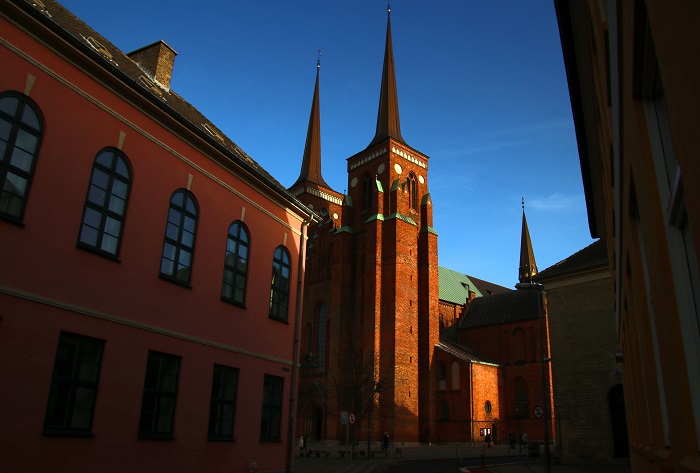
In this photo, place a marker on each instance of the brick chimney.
(156, 59)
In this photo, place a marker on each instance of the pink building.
(150, 269)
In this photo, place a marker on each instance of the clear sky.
(481, 85)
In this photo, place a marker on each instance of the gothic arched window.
(321, 337)
(366, 192)
(519, 347)
(412, 191)
(455, 375)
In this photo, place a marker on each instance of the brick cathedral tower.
(371, 319)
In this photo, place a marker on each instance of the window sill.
(67, 433)
(146, 436)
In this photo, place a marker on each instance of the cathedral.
(391, 342)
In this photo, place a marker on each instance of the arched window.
(279, 291)
(519, 349)
(308, 340)
(236, 264)
(180, 232)
(21, 131)
(105, 204)
(366, 192)
(444, 410)
(455, 375)
(442, 376)
(412, 191)
(506, 346)
(521, 399)
(321, 337)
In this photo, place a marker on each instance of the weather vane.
(318, 61)
(523, 203)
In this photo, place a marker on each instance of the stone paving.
(380, 461)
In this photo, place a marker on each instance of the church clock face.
(380, 168)
(353, 183)
(421, 179)
(398, 168)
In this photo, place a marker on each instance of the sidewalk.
(520, 463)
(335, 464)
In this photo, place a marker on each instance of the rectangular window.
(159, 395)
(223, 402)
(76, 373)
(271, 422)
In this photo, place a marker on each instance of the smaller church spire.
(528, 267)
(311, 162)
(388, 124)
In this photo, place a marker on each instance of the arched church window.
(412, 191)
(366, 192)
(444, 410)
(321, 337)
(455, 375)
(521, 398)
(442, 376)
(519, 348)
(308, 340)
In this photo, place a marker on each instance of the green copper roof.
(454, 287)
(401, 216)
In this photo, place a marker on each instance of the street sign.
(538, 411)
(351, 418)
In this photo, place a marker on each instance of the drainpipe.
(471, 396)
(295, 350)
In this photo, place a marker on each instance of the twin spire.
(388, 125)
(528, 267)
(311, 163)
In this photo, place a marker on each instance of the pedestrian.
(523, 439)
(487, 440)
(385, 443)
(511, 439)
(302, 446)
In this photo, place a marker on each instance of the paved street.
(441, 459)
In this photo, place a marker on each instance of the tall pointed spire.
(388, 116)
(311, 163)
(528, 267)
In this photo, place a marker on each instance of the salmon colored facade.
(118, 355)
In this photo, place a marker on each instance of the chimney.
(157, 60)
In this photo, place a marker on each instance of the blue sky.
(482, 91)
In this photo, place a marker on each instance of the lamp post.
(376, 388)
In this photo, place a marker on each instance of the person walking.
(302, 446)
(385, 443)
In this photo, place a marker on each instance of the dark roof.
(461, 352)
(593, 256)
(121, 67)
(486, 288)
(501, 308)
